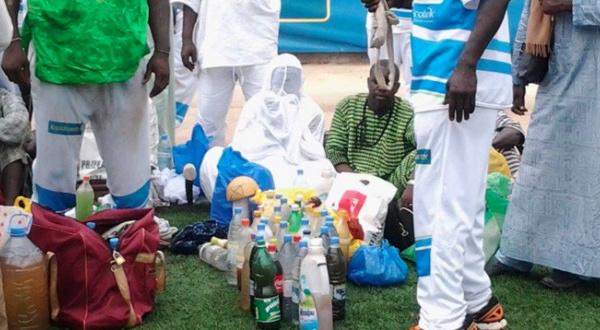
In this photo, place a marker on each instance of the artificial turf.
(198, 297)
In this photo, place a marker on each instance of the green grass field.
(197, 297)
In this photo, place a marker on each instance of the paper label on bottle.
(279, 283)
(338, 292)
(287, 288)
(267, 309)
(251, 283)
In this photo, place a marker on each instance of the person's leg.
(186, 81)
(120, 124)
(11, 181)
(395, 231)
(60, 116)
(451, 162)
(215, 91)
(403, 54)
(251, 78)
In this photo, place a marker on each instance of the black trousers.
(399, 228)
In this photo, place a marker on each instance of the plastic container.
(244, 205)
(287, 256)
(218, 242)
(245, 239)
(302, 252)
(325, 237)
(324, 185)
(314, 277)
(295, 221)
(336, 268)
(25, 281)
(278, 280)
(318, 223)
(214, 255)
(282, 230)
(286, 209)
(332, 230)
(300, 181)
(251, 284)
(304, 225)
(234, 237)
(341, 225)
(245, 278)
(266, 299)
(165, 153)
(255, 221)
(84, 200)
(274, 224)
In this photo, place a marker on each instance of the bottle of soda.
(259, 237)
(84, 200)
(278, 281)
(295, 221)
(302, 252)
(325, 237)
(336, 267)
(287, 256)
(266, 299)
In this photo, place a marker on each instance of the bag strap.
(123, 284)
(54, 304)
(161, 276)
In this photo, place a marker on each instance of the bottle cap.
(214, 240)
(324, 230)
(329, 218)
(343, 213)
(256, 213)
(277, 208)
(329, 223)
(237, 210)
(287, 238)
(324, 213)
(259, 237)
(299, 197)
(164, 137)
(295, 208)
(264, 220)
(304, 221)
(306, 232)
(297, 238)
(260, 243)
(18, 231)
(300, 171)
(245, 222)
(273, 241)
(284, 200)
(272, 248)
(86, 178)
(308, 208)
(277, 219)
(113, 243)
(303, 243)
(261, 227)
(278, 196)
(283, 224)
(335, 241)
(91, 225)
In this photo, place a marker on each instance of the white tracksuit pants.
(118, 114)
(449, 206)
(186, 81)
(215, 92)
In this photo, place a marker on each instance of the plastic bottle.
(332, 231)
(25, 280)
(324, 186)
(91, 225)
(287, 255)
(304, 225)
(314, 274)
(218, 242)
(268, 206)
(245, 282)
(278, 280)
(165, 153)
(336, 267)
(300, 181)
(318, 223)
(233, 245)
(244, 205)
(294, 222)
(302, 252)
(281, 232)
(84, 200)
(274, 223)
(296, 239)
(245, 239)
(308, 315)
(259, 237)
(308, 212)
(268, 232)
(255, 220)
(266, 299)
(299, 201)
(341, 225)
(325, 237)
(214, 255)
(286, 209)
(306, 235)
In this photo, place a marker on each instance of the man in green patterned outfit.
(373, 133)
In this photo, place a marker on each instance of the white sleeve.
(471, 4)
(6, 27)
(193, 4)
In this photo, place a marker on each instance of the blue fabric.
(56, 201)
(135, 200)
(377, 266)
(181, 110)
(423, 260)
(191, 152)
(231, 165)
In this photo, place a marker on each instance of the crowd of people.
(67, 69)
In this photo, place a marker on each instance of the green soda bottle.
(295, 221)
(266, 298)
(84, 199)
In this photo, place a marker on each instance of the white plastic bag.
(365, 197)
(209, 171)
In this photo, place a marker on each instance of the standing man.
(461, 71)
(234, 42)
(87, 67)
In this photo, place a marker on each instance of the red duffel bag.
(92, 287)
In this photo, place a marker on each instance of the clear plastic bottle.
(306, 235)
(324, 186)
(325, 237)
(300, 181)
(336, 267)
(274, 224)
(304, 225)
(218, 242)
(332, 230)
(318, 223)
(267, 229)
(314, 274)
(25, 281)
(278, 280)
(302, 252)
(245, 239)
(281, 232)
(245, 282)
(287, 255)
(84, 200)
(255, 220)
(343, 230)
(233, 245)
(165, 153)
(214, 255)
(295, 220)
(286, 209)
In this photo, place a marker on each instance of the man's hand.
(371, 5)
(406, 200)
(519, 100)
(15, 64)
(460, 93)
(189, 55)
(343, 168)
(159, 65)
(553, 7)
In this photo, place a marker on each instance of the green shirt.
(87, 41)
(391, 157)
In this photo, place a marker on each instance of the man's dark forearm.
(189, 21)
(160, 12)
(13, 11)
(489, 18)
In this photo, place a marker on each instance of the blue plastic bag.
(231, 165)
(191, 152)
(377, 266)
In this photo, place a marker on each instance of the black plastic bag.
(187, 240)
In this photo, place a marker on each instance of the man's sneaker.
(491, 317)
(561, 280)
(468, 325)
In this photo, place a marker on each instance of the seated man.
(373, 134)
(14, 130)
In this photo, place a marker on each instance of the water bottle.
(25, 281)
(306, 235)
(344, 233)
(304, 225)
(281, 232)
(324, 185)
(165, 153)
(214, 255)
(302, 252)
(287, 256)
(332, 230)
(336, 267)
(233, 245)
(325, 237)
(245, 282)
(300, 181)
(286, 209)
(84, 200)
